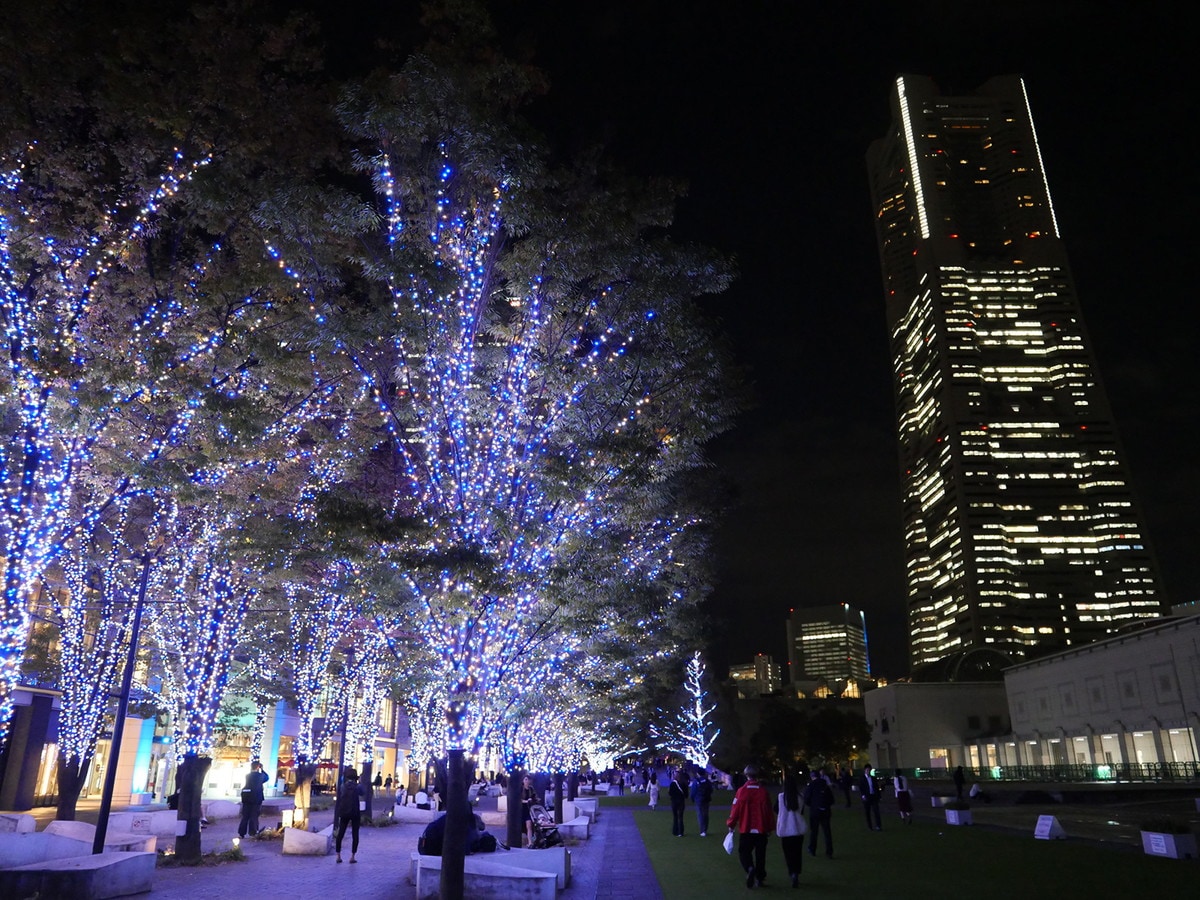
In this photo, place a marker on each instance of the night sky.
(768, 108)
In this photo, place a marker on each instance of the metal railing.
(1075, 773)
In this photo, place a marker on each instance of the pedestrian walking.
(678, 793)
(903, 797)
(702, 791)
(817, 800)
(960, 779)
(789, 825)
(845, 780)
(753, 819)
(347, 811)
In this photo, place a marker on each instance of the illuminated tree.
(540, 372)
(690, 732)
(128, 284)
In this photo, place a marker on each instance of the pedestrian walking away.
(789, 825)
(753, 819)
(903, 797)
(817, 800)
(252, 800)
(678, 792)
(845, 780)
(347, 812)
(702, 791)
(960, 779)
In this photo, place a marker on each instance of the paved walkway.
(611, 865)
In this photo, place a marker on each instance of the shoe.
(503, 846)
(704, 834)
(812, 852)
(339, 859)
(749, 878)
(795, 880)
(353, 860)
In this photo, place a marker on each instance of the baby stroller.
(545, 832)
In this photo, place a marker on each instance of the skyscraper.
(828, 642)
(1020, 526)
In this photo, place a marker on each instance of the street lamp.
(110, 772)
(345, 719)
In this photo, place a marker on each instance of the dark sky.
(767, 107)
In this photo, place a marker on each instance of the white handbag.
(728, 845)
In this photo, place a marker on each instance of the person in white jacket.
(789, 825)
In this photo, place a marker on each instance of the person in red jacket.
(753, 819)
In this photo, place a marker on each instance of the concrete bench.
(221, 809)
(161, 822)
(91, 877)
(578, 828)
(113, 839)
(941, 799)
(297, 842)
(17, 823)
(485, 877)
(556, 860)
(587, 806)
(411, 814)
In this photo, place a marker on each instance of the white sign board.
(1049, 829)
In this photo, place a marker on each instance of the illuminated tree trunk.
(190, 779)
(458, 819)
(515, 826)
(71, 779)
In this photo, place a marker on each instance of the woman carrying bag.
(790, 826)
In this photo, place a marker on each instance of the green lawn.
(926, 860)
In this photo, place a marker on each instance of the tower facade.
(828, 642)
(1020, 527)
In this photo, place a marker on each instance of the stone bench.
(485, 877)
(556, 860)
(587, 806)
(113, 839)
(162, 822)
(941, 799)
(298, 842)
(221, 809)
(17, 823)
(578, 828)
(411, 814)
(91, 877)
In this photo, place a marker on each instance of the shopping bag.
(728, 845)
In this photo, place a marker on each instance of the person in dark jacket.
(871, 791)
(347, 812)
(252, 800)
(702, 791)
(678, 791)
(818, 801)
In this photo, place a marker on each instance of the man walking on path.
(753, 819)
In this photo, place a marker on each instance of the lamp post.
(345, 719)
(110, 772)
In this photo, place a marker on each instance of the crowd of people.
(803, 808)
